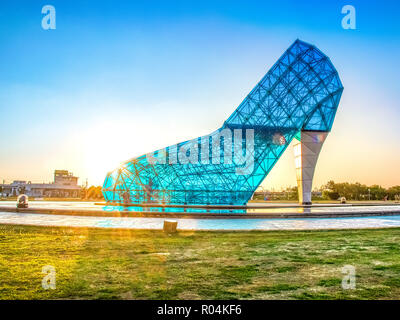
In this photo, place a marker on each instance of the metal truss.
(300, 92)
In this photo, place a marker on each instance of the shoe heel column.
(306, 152)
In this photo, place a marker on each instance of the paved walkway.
(199, 224)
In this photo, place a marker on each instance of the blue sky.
(117, 79)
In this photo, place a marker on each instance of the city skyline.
(110, 73)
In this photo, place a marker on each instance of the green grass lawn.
(126, 264)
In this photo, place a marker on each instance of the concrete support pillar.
(306, 154)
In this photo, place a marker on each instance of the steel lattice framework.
(300, 92)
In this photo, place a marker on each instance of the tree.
(377, 192)
(93, 193)
(356, 191)
(393, 191)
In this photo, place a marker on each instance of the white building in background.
(65, 185)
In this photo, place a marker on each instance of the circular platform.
(252, 211)
(255, 217)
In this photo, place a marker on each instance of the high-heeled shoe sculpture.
(296, 99)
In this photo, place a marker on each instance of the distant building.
(65, 185)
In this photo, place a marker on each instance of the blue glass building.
(300, 93)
